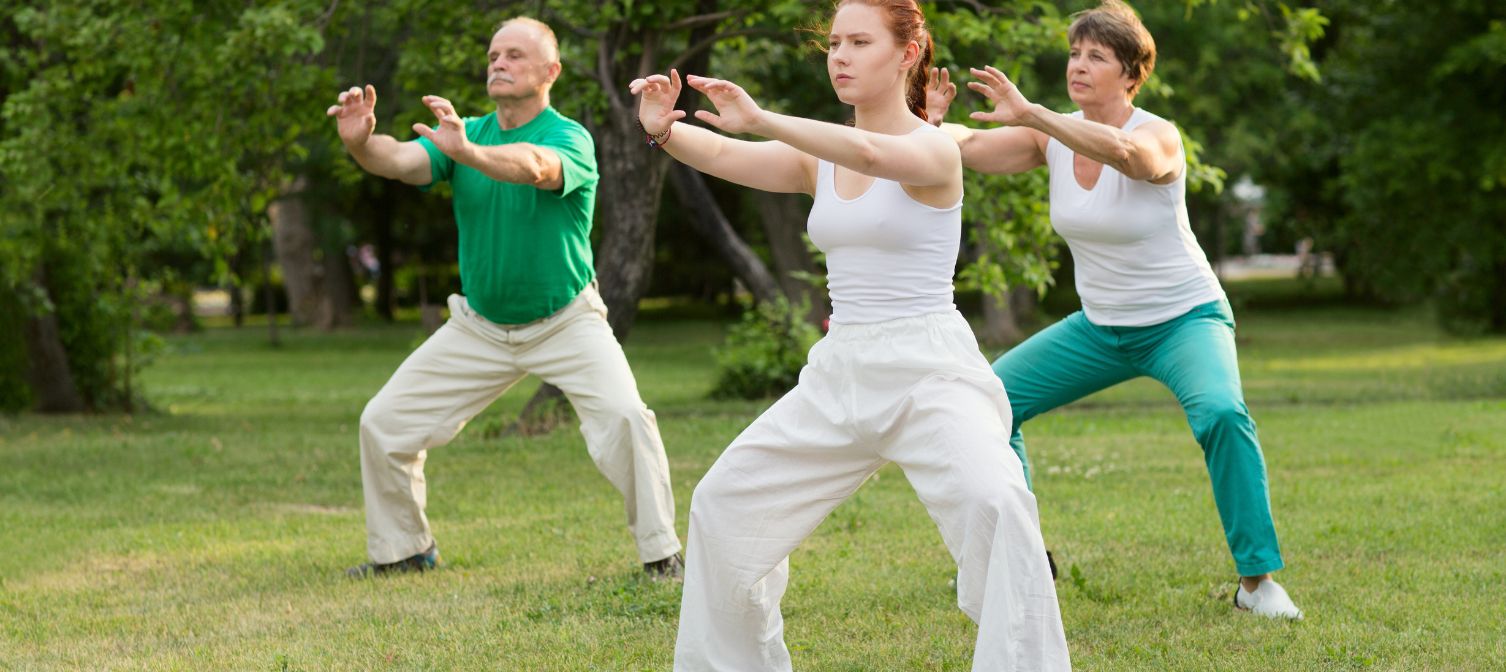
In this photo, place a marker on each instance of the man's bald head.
(523, 61)
(541, 31)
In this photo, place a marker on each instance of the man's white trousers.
(470, 362)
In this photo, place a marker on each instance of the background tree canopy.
(148, 148)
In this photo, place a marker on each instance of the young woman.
(1151, 304)
(898, 378)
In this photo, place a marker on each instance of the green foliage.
(1007, 217)
(127, 137)
(1400, 166)
(764, 351)
(1010, 225)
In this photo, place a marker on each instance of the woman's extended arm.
(917, 159)
(1151, 152)
(769, 166)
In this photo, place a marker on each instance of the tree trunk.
(1498, 298)
(385, 295)
(783, 217)
(271, 295)
(695, 195)
(1005, 318)
(706, 216)
(296, 247)
(50, 376)
(237, 292)
(336, 287)
(181, 297)
(632, 179)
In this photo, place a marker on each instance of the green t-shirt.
(524, 252)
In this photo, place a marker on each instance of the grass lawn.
(211, 534)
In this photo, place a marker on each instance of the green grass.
(210, 535)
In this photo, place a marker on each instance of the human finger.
(710, 118)
(984, 89)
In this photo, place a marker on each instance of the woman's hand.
(939, 95)
(736, 111)
(656, 107)
(1010, 106)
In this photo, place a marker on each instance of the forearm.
(517, 163)
(1100, 142)
(696, 147)
(767, 166)
(381, 155)
(845, 146)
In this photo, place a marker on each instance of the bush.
(1470, 298)
(764, 351)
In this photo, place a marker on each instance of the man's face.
(520, 64)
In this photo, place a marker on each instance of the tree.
(1401, 167)
(123, 133)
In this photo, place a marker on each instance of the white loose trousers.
(915, 391)
(470, 362)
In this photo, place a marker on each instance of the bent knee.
(1222, 415)
(997, 499)
(376, 416)
(713, 501)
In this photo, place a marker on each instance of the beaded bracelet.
(655, 141)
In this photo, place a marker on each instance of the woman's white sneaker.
(1269, 600)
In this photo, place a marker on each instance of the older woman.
(1151, 306)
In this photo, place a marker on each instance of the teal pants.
(1193, 355)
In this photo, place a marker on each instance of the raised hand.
(939, 95)
(355, 115)
(1010, 106)
(450, 136)
(656, 108)
(736, 111)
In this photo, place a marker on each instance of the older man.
(524, 182)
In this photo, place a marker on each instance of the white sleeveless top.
(888, 256)
(1137, 262)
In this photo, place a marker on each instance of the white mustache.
(499, 76)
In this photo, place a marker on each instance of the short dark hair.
(1114, 25)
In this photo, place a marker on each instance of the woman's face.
(862, 59)
(1095, 76)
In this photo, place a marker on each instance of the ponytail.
(920, 76)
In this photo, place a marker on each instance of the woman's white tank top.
(1135, 258)
(888, 256)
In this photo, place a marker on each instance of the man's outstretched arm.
(381, 155)
(516, 163)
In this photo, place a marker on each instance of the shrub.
(764, 351)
